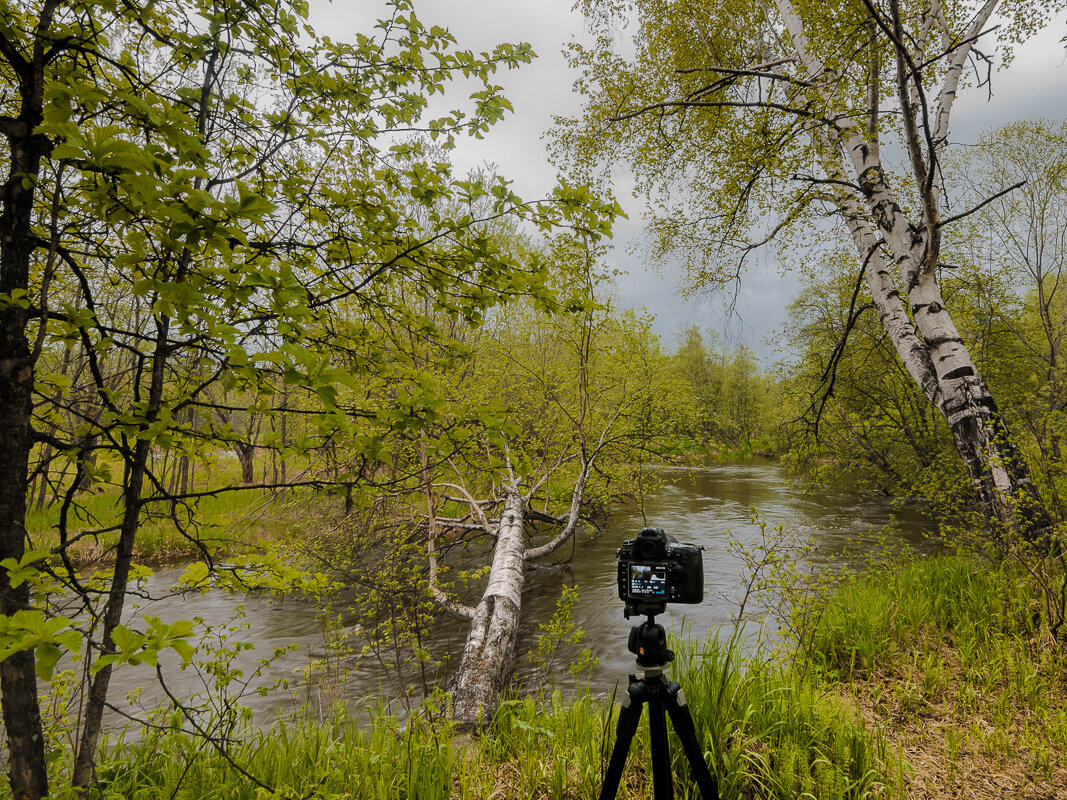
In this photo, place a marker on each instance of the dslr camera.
(655, 569)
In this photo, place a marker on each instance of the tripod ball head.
(648, 641)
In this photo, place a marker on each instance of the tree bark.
(937, 358)
(137, 462)
(927, 341)
(27, 771)
(490, 648)
(246, 457)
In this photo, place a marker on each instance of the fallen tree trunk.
(489, 652)
(490, 649)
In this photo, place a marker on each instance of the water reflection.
(704, 506)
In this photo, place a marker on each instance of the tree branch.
(987, 201)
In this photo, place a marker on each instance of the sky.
(1034, 86)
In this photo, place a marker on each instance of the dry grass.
(955, 757)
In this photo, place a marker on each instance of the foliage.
(750, 126)
(385, 612)
(859, 417)
(774, 737)
(226, 217)
(727, 402)
(855, 416)
(558, 635)
(1009, 263)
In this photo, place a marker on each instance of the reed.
(773, 734)
(769, 737)
(943, 655)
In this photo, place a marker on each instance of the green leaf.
(47, 655)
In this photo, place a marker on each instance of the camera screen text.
(648, 580)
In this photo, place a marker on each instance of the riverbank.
(772, 735)
(924, 678)
(955, 661)
(228, 518)
(227, 524)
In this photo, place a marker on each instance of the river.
(705, 506)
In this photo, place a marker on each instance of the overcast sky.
(1035, 86)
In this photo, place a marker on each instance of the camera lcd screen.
(648, 580)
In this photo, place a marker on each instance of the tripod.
(649, 641)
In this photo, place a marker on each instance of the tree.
(535, 424)
(854, 414)
(583, 402)
(1011, 256)
(1003, 277)
(194, 194)
(725, 391)
(749, 123)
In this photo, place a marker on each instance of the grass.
(776, 735)
(228, 523)
(769, 738)
(547, 749)
(924, 678)
(951, 658)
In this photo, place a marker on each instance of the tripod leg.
(686, 730)
(661, 757)
(629, 716)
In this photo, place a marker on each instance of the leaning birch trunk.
(936, 358)
(928, 342)
(490, 649)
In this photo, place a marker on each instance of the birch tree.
(747, 124)
(1019, 240)
(584, 401)
(1012, 255)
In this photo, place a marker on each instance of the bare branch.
(987, 201)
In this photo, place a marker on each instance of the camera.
(655, 569)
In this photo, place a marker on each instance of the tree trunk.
(86, 481)
(27, 770)
(246, 455)
(183, 487)
(285, 435)
(85, 757)
(490, 649)
(18, 677)
(932, 351)
(137, 460)
(927, 341)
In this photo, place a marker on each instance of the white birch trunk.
(999, 475)
(928, 343)
(490, 649)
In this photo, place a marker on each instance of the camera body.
(655, 569)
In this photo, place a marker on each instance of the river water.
(706, 506)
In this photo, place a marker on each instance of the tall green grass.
(960, 641)
(228, 522)
(878, 616)
(949, 638)
(769, 737)
(542, 749)
(772, 734)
